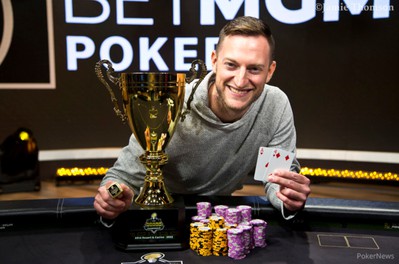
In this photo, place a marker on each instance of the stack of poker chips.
(228, 232)
(259, 232)
(219, 242)
(204, 209)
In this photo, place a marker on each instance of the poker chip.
(220, 210)
(228, 232)
(246, 212)
(204, 209)
(235, 242)
(219, 243)
(259, 232)
(216, 222)
(247, 237)
(194, 235)
(233, 216)
(204, 241)
(205, 221)
(197, 218)
(229, 226)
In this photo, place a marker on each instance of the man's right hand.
(109, 207)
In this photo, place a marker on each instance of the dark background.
(341, 76)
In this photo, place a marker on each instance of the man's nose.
(241, 78)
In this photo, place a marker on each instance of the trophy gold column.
(152, 105)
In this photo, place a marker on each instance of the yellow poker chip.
(115, 189)
(195, 235)
(219, 243)
(216, 222)
(204, 241)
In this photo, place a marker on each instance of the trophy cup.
(152, 105)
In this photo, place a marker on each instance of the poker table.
(325, 231)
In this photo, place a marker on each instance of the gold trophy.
(152, 105)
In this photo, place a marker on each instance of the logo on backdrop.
(26, 47)
(27, 59)
(145, 49)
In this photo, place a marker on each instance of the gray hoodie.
(209, 157)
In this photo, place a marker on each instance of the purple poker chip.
(259, 232)
(247, 237)
(197, 218)
(258, 222)
(236, 243)
(233, 216)
(205, 221)
(204, 209)
(220, 210)
(246, 212)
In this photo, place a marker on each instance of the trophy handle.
(115, 81)
(189, 79)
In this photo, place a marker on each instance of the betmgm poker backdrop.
(337, 61)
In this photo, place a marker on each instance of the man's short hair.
(247, 26)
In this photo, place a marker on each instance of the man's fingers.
(294, 188)
(108, 203)
(108, 206)
(293, 195)
(291, 180)
(292, 205)
(290, 175)
(105, 200)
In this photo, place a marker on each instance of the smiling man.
(241, 70)
(234, 112)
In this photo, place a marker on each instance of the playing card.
(270, 159)
(280, 159)
(262, 163)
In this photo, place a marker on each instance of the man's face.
(242, 66)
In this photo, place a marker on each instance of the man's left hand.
(294, 188)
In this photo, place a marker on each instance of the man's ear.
(214, 58)
(271, 70)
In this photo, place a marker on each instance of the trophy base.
(144, 228)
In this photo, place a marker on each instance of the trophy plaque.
(152, 106)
